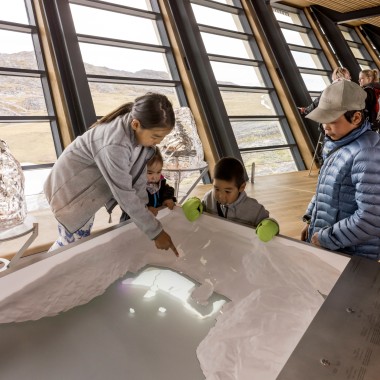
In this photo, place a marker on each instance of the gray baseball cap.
(337, 99)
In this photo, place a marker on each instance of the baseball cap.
(337, 99)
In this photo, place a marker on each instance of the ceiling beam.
(340, 18)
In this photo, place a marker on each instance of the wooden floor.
(285, 196)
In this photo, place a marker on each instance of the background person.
(229, 200)
(344, 214)
(369, 81)
(339, 73)
(109, 161)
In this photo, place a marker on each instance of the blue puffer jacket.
(345, 210)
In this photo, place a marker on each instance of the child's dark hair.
(157, 157)
(350, 114)
(230, 169)
(152, 110)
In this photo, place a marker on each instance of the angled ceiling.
(351, 12)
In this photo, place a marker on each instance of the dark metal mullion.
(267, 147)
(16, 27)
(204, 81)
(293, 27)
(373, 34)
(337, 40)
(360, 47)
(364, 61)
(217, 6)
(131, 80)
(14, 72)
(121, 43)
(354, 44)
(70, 65)
(315, 94)
(238, 88)
(308, 70)
(169, 56)
(235, 60)
(223, 32)
(284, 62)
(45, 83)
(105, 6)
(256, 118)
(305, 49)
(26, 119)
(37, 166)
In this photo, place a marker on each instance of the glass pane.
(269, 162)
(347, 36)
(114, 61)
(230, 47)
(315, 82)
(108, 96)
(296, 38)
(219, 19)
(17, 50)
(228, 2)
(247, 104)
(14, 11)
(113, 25)
(365, 67)
(256, 133)
(30, 143)
(242, 75)
(21, 96)
(307, 60)
(357, 53)
(286, 16)
(140, 4)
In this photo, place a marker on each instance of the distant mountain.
(22, 95)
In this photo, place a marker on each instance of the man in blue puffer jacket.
(344, 214)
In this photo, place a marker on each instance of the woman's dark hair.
(152, 110)
(230, 169)
(157, 157)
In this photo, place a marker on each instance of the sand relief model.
(275, 288)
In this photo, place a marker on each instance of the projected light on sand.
(180, 287)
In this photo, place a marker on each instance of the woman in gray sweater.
(109, 161)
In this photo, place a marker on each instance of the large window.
(128, 55)
(307, 53)
(257, 118)
(358, 49)
(27, 118)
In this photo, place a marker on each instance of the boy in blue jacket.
(229, 200)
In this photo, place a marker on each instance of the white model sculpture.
(12, 199)
(182, 148)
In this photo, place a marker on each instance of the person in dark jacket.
(369, 81)
(159, 192)
(344, 213)
(339, 73)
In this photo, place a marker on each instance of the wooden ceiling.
(350, 12)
